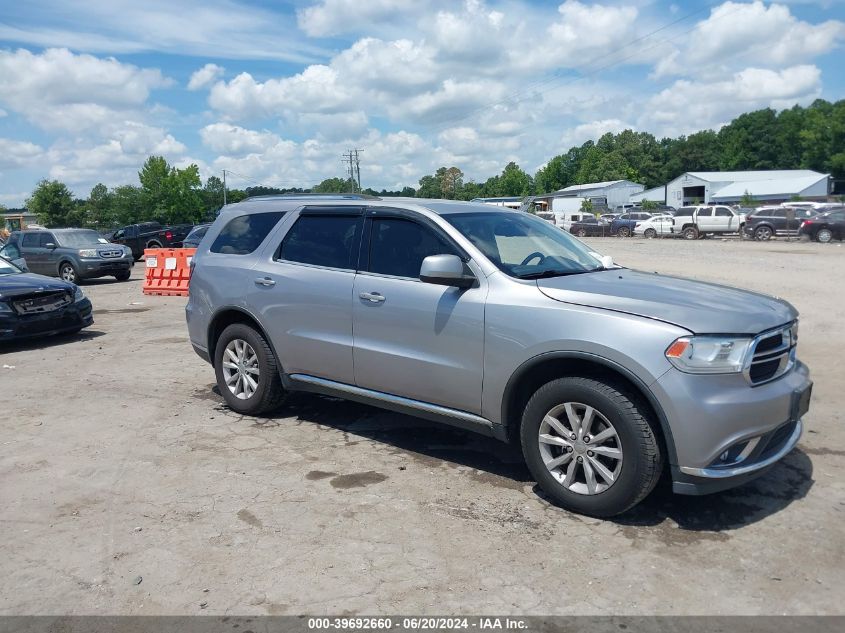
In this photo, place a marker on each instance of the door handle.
(265, 281)
(372, 297)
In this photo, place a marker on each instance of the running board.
(437, 413)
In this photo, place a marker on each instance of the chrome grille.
(110, 254)
(42, 302)
(772, 354)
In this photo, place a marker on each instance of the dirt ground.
(127, 487)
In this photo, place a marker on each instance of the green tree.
(451, 181)
(99, 207)
(52, 203)
(331, 185)
(127, 205)
(587, 206)
(430, 187)
(649, 205)
(514, 181)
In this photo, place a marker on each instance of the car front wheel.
(68, 273)
(623, 231)
(690, 233)
(824, 236)
(247, 371)
(650, 234)
(590, 446)
(763, 233)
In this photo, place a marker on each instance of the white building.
(730, 186)
(611, 192)
(657, 194)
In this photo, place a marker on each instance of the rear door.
(303, 293)
(34, 253)
(414, 339)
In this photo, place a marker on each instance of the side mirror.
(607, 261)
(445, 270)
(50, 245)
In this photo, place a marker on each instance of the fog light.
(724, 456)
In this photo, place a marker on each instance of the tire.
(582, 233)
(690, 233)
(650, 234)
(152, 245)
(123, 276)
(763, 233)
(68, 272)
(257, 359)
(623, 231)
(622, 420)
(824, 235)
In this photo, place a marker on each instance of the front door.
(303, 293)
(414, 339)
(36, 254)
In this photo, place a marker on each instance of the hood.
(25, 283)
(702, 308)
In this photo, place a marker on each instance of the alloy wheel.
(824, 236)
(240, 368)
(580, 448)
(68, 273)
(763, 233)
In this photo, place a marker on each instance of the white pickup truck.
(695, 222)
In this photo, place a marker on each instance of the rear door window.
(722, 212)
(323, 240)
(30, 239)
(705, 213)
(243, 234)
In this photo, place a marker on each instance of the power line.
(353, 169)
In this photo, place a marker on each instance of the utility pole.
(353, 169)
(358, 167)
(224, 187)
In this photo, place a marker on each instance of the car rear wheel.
(68, 273)
(763, 233)
(247, 371)
(590, 446)
(582, 233)
(623, 231)
(650, 233)
(690, 233)
(824, 236)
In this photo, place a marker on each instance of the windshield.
(525, 246)
(8, 268)
(79, 239)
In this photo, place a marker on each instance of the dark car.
(33, 305)
(825, 227)
(590, 225)
(766, 222)
(195, 236)
(623, 226)
(72, 254)
(139, 237)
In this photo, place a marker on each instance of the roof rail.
(311, 196)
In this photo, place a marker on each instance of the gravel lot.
(128, 488)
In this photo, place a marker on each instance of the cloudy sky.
(275, 92)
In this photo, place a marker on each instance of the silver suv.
(496, 321)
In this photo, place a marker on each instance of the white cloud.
(332, 17)
(205, 76)
(233, 139)
(742, 34)
(591, 131)
(688, 106)
(15, 154)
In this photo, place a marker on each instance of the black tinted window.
(244, 234)
(837, 215)
(323, 240)
(398, 247)
(685, 211)
(46, 238)
(30, 239)
(705, 213)
(723, 212)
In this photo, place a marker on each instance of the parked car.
(33, 305)
(608, 217)
(151, 235)
(194, 238)
(656, 226)
(494, 321)
(696, 222)
(825, 227)
(619, 209)
(72, 254)
(623, 226)
(767, 222)
(590, 225)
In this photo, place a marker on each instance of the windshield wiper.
(544, 274)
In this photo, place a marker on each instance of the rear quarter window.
(243, 234)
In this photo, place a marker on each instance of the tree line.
(796, 138)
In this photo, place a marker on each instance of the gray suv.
(496, 321)
(72, 254)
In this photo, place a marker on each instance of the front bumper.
(75, 316)
(91, 268)
(713, 416)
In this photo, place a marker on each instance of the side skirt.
(428, 411)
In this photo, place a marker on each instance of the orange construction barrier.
(168, 271)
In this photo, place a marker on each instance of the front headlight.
(5, 308)
(88, 252)
(78, 294)
(709, 354)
